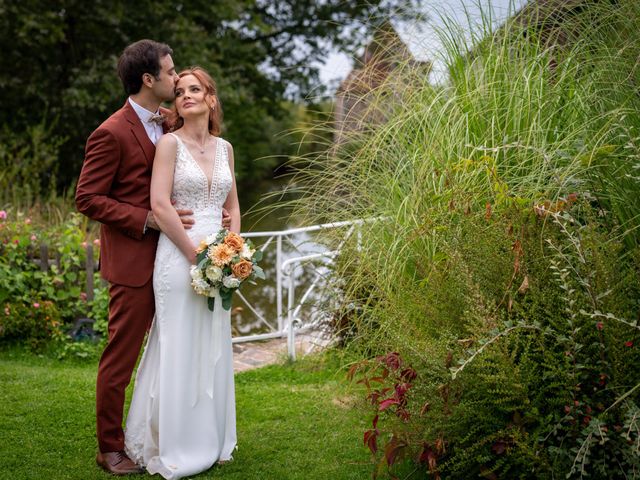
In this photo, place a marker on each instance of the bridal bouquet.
(224, 262)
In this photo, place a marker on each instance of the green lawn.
(294, 422)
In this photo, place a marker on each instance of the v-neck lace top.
(190, 184)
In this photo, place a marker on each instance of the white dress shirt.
(153, 129)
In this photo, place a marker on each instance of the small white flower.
(198, 283)
(230, 281)
(247, 252)
(214, 274)
(194, 271)
(210, 239)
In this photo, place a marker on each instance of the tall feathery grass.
(531, 114)
(505, 237)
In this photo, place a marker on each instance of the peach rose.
(202, 247)
(242, 269)
(221, 255)
(234, 240)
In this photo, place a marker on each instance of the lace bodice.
(191, 187)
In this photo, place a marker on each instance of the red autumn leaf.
(393, 449)
(403, 414)
(375, 421)
(387, 403)
(370, 440)
(352, 371)
(628, 344)
(428, 456)
(487, 211)
(377, 379)
(375, 395)
(599, 325)
(408, 374)
(391, 360)
(364, 381)
(401, 389)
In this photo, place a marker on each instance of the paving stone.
(247, 356)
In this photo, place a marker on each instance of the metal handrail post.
(291, 339)
(279, 282)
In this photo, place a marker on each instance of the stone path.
(247, 356)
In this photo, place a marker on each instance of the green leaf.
(258, 272)
(257, 256)
(211, 302)
(226, 301)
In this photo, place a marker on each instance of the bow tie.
(156, 118)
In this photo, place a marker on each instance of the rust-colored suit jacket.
(114, 189)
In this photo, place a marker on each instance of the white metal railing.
(285, 326)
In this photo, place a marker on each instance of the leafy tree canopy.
(59, 61)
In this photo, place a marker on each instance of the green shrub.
(34, 324)
(23, 282)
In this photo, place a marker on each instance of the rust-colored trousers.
(131, 311)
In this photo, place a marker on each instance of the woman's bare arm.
(161, 187)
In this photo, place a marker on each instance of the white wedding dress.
(182, 414)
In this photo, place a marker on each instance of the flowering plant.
(224, 261)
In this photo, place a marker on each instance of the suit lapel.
(139, 132)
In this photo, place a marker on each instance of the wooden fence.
(90, 265)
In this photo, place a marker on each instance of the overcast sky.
(420, 36)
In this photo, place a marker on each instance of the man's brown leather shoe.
(117, 463)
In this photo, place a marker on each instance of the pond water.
(261, 214)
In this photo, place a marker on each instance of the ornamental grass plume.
(522, 164)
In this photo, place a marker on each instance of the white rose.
(214, 273)
(195, 272)
(200, 286)
(230, 281)
(198, 283)
(247, 252)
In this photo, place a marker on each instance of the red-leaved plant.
(388, 382)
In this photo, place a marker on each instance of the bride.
(182, 414)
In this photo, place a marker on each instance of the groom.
(113, 189)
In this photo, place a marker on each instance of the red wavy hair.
(211, 91)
